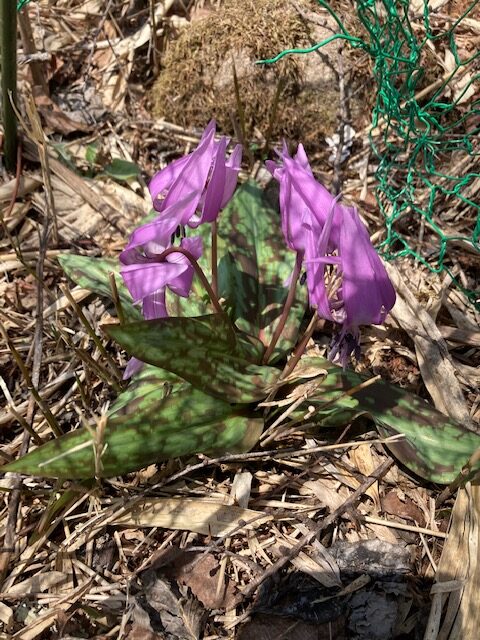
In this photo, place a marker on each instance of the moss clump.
(196, 81)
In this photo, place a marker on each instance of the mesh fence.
(425, 130)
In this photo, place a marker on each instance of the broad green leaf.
(204, 351)
(91, 153)
(93, 273)
(254, 267)
(435, 447)
(146, 424)
(122, 170)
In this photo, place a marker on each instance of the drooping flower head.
(205, 177)
(304, 202)
(188, 192)
(147, 280)
(346, 280)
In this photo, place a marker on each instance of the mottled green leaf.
(93, 273)
(204, 351)
(254, 267)
(148, 423)
(435, 447)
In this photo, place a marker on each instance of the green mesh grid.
(425, 132)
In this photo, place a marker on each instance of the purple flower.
(147, 280)
(350, 286)
(204, 180)
(152, 238)
(304, 202)
(346, 280)
(368, 293)
(188, 192)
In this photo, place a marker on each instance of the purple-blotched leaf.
(255, 267)
(435, 447)
(93, 273)
(154, 420)
(205, 351)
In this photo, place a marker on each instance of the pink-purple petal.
(144, 279)
(134, 365)
(193, 178)
(317, 292)
(231, 175)
(367, 291)
(163, 180)
(154, 305)
(214, 191)
(314, 196)
(355, 289)
(153, 237)
(302, 159)
(194, 245)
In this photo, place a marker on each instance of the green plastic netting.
(425, 132)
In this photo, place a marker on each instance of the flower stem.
(286, 310)
(214, 258)
(8, 47)
(198, 270)
(292, 363)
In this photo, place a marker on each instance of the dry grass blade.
(457, 580)
(201, 516)
(311, 535)
(434, 361)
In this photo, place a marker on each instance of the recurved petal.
(211, 127)
(193, 178)
(163, 180)
(274, 169)
(290, 215)
(315, 197)
(296, 217)
(214, 191)
(144, 279)
(368, 294)
(302, 159)
(232, 167)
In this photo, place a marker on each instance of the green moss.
(196, 81)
